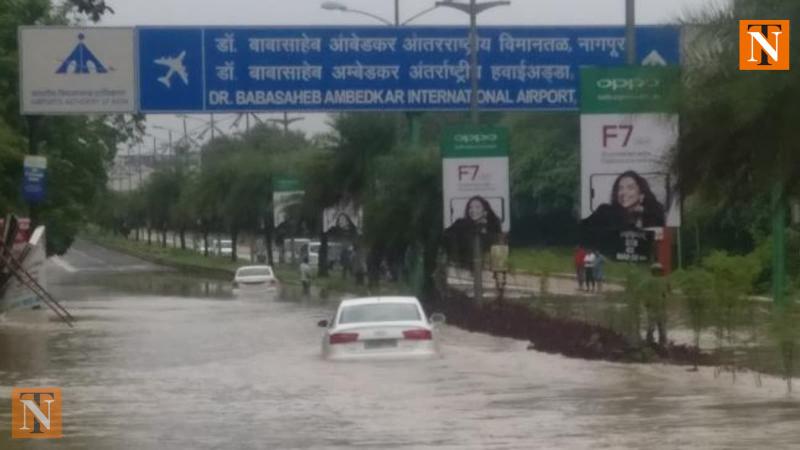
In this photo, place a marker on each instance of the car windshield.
(379, 312)
(254, 272)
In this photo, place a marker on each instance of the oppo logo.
(628, 84)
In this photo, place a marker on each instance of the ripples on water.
(162, 361)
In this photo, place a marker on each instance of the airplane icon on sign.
(175, 65)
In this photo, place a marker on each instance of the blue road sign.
(171, 69)
(218, 69)
(34, 179)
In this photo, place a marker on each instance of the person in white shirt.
(589, 262)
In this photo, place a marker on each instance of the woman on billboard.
(478, 217)
(632, 205)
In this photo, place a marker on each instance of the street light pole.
(630, 31)
(473, 9)
(473, 62)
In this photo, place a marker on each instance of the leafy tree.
(545, 151)
(737, 128)
(696, 285)
(732, 280)
(78, 148)
(162, 192)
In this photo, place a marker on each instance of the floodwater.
(161, 360)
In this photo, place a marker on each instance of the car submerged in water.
(380, 327)
(255, 279)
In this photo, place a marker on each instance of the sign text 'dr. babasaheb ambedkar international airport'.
(228, 69)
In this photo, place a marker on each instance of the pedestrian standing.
(656, 307)
(580, 255)
(345, 257)
(589, 262)
(599, 272)
(305, 276)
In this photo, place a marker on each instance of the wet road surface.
(163, 360)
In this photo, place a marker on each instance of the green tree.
(737, 128)
(545, 149)
(696, 286)
(78, 148)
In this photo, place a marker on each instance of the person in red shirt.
(580, 273)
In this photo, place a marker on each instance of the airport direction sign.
(77, 70)
(235, 69)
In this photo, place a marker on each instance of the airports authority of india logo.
(764, 45)
(36, 413)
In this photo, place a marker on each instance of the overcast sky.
(309, 12)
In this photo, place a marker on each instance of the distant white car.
(255, 279)
(380, 327)
(224, 247)
(334, 252)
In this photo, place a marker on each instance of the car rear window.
(379, 312)
(254, 272)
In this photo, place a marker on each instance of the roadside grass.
(223, 267)
(559, 261)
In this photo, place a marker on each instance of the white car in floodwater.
(255, 279)
(380, 327)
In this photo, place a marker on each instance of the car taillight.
(418, 335)
(342, 338)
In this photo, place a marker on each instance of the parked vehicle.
(334, 251)
(223, 247)
(380, 327)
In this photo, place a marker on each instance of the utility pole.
(286, 121)
(155, 154)
(212, 126)
(128, 168)
(139, 164)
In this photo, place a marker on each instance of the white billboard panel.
(346, 217)
(74, 70)
(624, 163)
(470, 178)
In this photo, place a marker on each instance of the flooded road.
(161, 360)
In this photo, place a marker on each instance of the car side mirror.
(437, 318)
(322, 324)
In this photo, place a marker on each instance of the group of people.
(589, 269)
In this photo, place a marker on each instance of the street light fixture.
(338, 6)
(473, 9)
